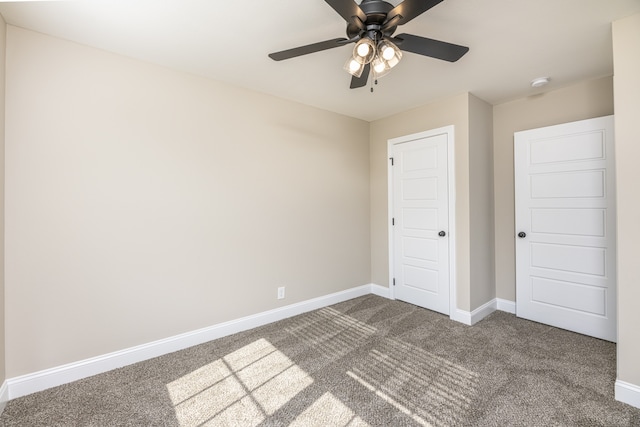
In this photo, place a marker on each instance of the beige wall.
(626, 54)
(583, 100)
(481, 202)
(144, 202)
(3, 31)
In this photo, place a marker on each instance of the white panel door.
(565, 226)
(420, 217)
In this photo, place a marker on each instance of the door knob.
(442, 234)
(522, 234)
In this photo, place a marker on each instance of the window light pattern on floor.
(430, 389)
(242, 388)
(249, 385)
(332, 332)
(332, 411)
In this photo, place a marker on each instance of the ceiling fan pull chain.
(374, 80)
(371, 82)
(373, 71)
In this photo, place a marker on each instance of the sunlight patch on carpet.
(243, 387)
(333, 333)
(329, 411)
(432, 390)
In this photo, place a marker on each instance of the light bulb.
(388, 53)
(379, 67)
(363, 49)
(354, 67)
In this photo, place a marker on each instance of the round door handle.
(522, 234)
(442, 234)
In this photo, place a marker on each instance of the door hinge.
(394, 281)
(393, 221)
(391, 158)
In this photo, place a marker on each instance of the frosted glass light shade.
(380, 67)
(354, 67)
(364, 50)
(390, 53)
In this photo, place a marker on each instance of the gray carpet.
(367, 361)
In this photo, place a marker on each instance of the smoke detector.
(540, 81)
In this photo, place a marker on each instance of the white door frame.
(451, 185)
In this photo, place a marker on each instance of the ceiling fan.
(370, 25)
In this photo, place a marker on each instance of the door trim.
(451, 185)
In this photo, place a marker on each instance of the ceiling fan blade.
(361, 81)
(429, 47)
(409, 9)
(310, 48)
(347, 9)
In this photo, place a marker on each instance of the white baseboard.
(461, 316)
(4, 396)
(42, 380)
(628, 393)
(381, 291)
(483, 311)
(506, 305)
(473, 317)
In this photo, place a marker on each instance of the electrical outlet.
(281, 292)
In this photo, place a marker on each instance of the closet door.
(565, 226)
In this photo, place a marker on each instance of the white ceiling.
(511, 42)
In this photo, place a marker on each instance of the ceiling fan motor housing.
(376, 11)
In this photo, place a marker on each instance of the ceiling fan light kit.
(383, 56)
(370, 25)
